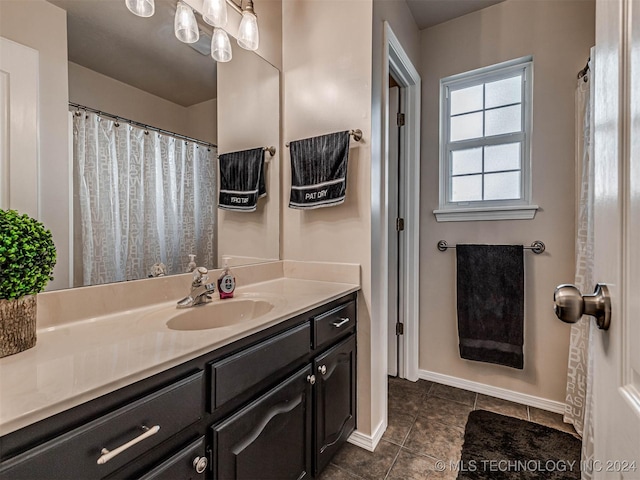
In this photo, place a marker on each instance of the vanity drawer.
(334, 324)
(189, 463)
(75, 454)
(240, 372)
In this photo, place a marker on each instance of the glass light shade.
(248, 36)
(220, 46)
(185, 26)
(142, 8)
(214, 12)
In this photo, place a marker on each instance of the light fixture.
(220, 46)
(248, 35)
(142, 8)
(214, 12)
(185, 26)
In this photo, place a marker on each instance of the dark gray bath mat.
(497, 447)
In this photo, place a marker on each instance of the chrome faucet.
(200, 290)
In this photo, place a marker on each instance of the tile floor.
(426, 424)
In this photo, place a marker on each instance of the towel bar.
(537, 246)
(271, 150)
(356, 134)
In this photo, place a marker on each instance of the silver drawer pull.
(108, 455)
(342, 322)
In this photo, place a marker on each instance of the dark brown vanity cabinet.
(274, 405)
(295, 428)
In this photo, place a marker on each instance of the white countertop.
(77, 362)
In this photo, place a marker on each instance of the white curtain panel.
(143, 198)
(580, 372)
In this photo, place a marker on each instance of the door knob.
(571, 305)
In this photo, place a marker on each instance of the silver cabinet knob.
(311, 379)
(571, 305)
(200, 464)
(322, 369)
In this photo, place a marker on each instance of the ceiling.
(428, 13)
(143, 52)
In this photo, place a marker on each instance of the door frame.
(396, 61)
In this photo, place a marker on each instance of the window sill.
(520, 212)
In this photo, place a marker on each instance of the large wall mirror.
(124, 68)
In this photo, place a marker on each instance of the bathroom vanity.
(275, 403)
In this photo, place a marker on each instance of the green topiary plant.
(27, 255)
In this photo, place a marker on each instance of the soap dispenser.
(226, 281)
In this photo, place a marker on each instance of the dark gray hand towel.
(319, 171)
(491, 303)
(241, 180)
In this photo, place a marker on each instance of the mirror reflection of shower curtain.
(140, 198)
(580, 371)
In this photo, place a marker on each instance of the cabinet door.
(335, 371)
(270, 438)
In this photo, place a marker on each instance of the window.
(485, 130)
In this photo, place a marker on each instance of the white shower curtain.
(142, 198)
(580, 372)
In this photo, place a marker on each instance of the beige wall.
(95, 90)
(558, 35)
(397, 13)
(326, 58)
(249, 117)
(202, 121)
(43, 27)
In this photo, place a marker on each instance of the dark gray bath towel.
(241, 180)
(319, 171)
(491, 303)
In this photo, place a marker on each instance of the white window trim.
(521, 209)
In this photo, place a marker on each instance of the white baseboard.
(368, 442)
(503, 393)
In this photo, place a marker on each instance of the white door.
(616, 352)
(393, 365)
(19, 72)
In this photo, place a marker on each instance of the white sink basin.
(221, 313)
